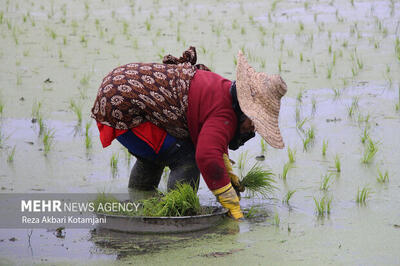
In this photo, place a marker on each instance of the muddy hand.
(234, 179)
(229, 200)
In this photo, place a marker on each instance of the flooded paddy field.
(337, 199)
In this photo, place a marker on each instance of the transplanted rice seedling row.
(10, 156)
(114, 163)
(309, 138)
(370, 150)
(323, 206)
(326, 182)
(88, 139)
(383, 178)
(288, 196)
(48, 140)
(362, 195)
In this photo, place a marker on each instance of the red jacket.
(211, 121)
(212, 124)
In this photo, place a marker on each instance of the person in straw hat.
(181, 115)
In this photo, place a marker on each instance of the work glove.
(229, 200)
(234, 178)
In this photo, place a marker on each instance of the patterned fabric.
(138, 92)
(134, 93)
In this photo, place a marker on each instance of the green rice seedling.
(334, 59)
(273, 5)
(301, 123)
(262, 63)
(288, 196)
(306, 143)
(3, 138)
(325, 182)
(128, 156)
(323, 206)
(362, 195)
(182, 201)
(242, 31)
(229, 42)
(324, 147)
(360, 63)
(251, 213)
(88, 138)
(313, 105)
(354, 102)
(398, 104)
(262, 30)
(40, 121)
(301, 57)
(147, 23)
(258, 181)
(365, 135)
(1, 105)
(314, 67)
(310, 136)
(369, 151)
(10, 156)
(299, 96)
(263, 146)
(235, 24)
(337, 93)
(383, 178)
(277, 220)
(329, 72)
(48, 140)
(280, 64)
(53, 34)
(338, 164)
(297, 113)
(114, 163)
(84, 40)
(350, 111)
(363, 119)
(286, 167)
(85, 79)
(291, 155)
(301, 26)
(77, 109)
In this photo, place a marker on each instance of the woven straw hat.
(259, 96)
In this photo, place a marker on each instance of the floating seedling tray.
(148, 224)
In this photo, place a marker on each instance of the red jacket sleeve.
(212, 143)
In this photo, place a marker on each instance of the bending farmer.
(182, 115)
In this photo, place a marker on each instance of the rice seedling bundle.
(258, 181)
(182, 201)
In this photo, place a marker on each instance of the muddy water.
(55, 51)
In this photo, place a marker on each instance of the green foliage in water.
(182, 201)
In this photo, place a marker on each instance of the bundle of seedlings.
(258, 181)
(182, 201)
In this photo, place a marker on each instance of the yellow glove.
(229, 200)
(234, 179)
